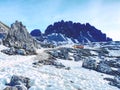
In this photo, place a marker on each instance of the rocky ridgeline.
(19, 40)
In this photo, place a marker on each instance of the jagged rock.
(78, 31)
(19, 81)
(21, 51)
(13, 51)
(113, 63)
(77, 57)
(104, 68)
(115, 81)
(61, 53)
(90, 64)
(18, 37)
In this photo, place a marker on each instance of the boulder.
(21, 52)
(90, 64)
(19, 82)
(115, 81)
(61, 53)
(77, 57)
(104, 68)
(114, 63)
(13, 51)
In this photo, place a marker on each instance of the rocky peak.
(19, 37)
(81, 32)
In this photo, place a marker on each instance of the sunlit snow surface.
(49, 77)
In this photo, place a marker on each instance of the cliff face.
(81, 32)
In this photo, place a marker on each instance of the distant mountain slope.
(3, 27)
(78, 31)
(3, 30)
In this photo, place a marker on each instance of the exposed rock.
(21, 51)
(115, 81)
(50, 62)
(90, 64)
(113, 63)
(13, 51)
(104, 68)
(18, 37)
(78, 31)
(61, 53)
(3, 30)
(19, 82)
(77, 57)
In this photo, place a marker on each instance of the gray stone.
(21, 52)
(104, 68)
(115, 81)
(90, 64)
(19, 80)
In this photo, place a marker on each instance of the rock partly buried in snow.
(115, 81)
(50, 61)
(16, 88)
(90, 64)
(61, 53)
(13, 51)
(19, 82)
(104, 68)
(114, 63)
(18, 37)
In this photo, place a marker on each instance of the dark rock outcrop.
(115, 81)
(90, 64)
(13, 51)
(36, 32)
(61, 53)
(19, 38)
(78, 31)
(104, 68)
(18, 83)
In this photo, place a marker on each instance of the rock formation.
(19, 38)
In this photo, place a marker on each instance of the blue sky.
(103, 14)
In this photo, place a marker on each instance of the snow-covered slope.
(59, 39)
(46, 77)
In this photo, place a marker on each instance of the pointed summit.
(19, 37)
